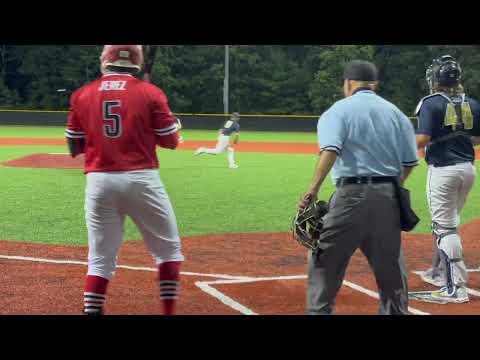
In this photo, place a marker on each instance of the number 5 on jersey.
(112, 123)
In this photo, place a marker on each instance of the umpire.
(370, 144)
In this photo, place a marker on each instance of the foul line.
(136, 268)
(206, 287)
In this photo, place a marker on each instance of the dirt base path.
(248, 273)
(244, 146)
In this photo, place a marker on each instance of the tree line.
(264, 79)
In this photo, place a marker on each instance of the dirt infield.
(247, 274)
(223, 274)
(244, 146)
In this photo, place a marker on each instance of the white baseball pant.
(109, 197)
(223, 143)
(447, 191)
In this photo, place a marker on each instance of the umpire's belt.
(365, 180)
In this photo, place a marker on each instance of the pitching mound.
(48, 161)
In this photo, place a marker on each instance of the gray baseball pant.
(364, 216)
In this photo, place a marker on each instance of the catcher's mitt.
(308, 223)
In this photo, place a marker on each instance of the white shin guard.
(450, 247)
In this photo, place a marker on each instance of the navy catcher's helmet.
(443, 71)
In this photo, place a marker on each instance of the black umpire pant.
(364, 216)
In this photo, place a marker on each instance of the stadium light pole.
(226, 80)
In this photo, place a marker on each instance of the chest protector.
(458, 115)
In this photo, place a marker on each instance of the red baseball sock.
(94, 295)
(169, 278)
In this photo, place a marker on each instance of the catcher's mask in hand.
(308, 223)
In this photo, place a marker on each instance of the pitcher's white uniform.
(231, 127)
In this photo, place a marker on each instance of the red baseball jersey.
(122, 119)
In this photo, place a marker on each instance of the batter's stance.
(448, 126)
(370, 144)
(230, 128)
(117, 121)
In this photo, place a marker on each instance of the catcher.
(448, 126)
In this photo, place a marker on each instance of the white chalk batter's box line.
(206, 286)
(127, 267)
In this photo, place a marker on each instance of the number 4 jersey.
(122, 119)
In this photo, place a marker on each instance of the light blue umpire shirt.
(370, 135)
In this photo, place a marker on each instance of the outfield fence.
(302, 123)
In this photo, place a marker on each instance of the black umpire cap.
(360, 70)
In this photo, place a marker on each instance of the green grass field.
(58, 132)
(43, 205)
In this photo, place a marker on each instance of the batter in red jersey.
(117, 121)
